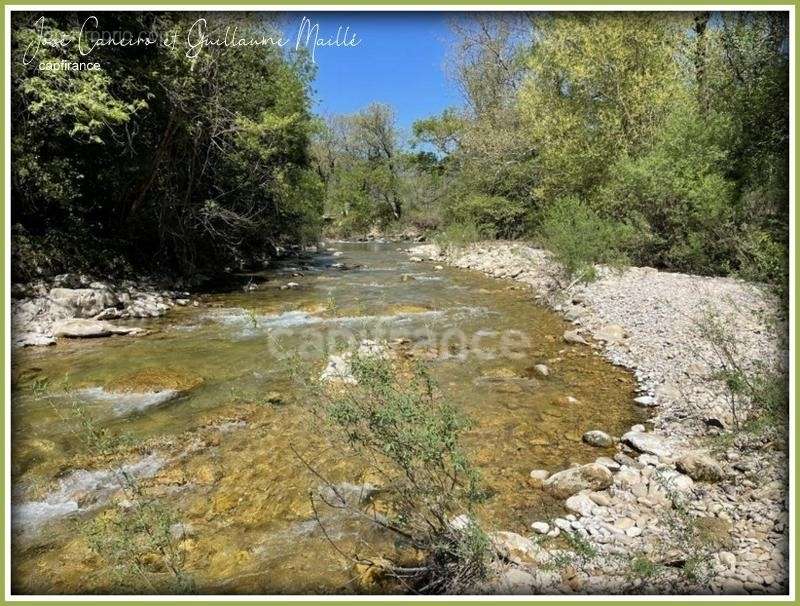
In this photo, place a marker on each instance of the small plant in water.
(135, 538)
(397, 424)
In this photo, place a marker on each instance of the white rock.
(646, 401)
(572, 481)
(611, 333)
(461, 522)
(573, 336)
(540, 527)
(538, 476)
(648, 443)
(580, 503)
(542, 369)
(80, 328)
(562, 524)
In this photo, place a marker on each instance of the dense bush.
(496, 215)
(579, 238)
(178, 164)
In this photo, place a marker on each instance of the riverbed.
(203, 413)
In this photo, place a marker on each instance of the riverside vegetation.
(177, 186)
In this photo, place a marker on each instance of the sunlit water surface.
(222, 459)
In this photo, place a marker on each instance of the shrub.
(578, 237)
(677, 191)
(460, 234)
(410, 439)
(502, 217)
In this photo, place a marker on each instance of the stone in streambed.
(78, 328)
(597, 438)
(573, 336)
(542, 369)
(571, 481)
(538, 476)
(150, 380)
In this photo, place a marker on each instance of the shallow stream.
(185, 413)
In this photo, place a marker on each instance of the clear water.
(223, 459)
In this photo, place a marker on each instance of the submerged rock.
(571, 481)
(542, 369)
(597, 438)
(154, 380)
(573, 336)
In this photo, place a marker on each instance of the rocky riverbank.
(686, 505)
(76, 306)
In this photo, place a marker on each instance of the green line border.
(423, 5)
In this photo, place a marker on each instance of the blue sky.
(399, 61)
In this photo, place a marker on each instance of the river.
(184, 411)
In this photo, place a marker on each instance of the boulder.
(649, 443)
(608, 462)
(597, 438)
(571, 481)
(338, 370)
(627, 477)
(515, 582)
(82, 302)
(540, 527)
(33, 339)
(538, 476)
(80, 328)
(700, 467)
(672, 481)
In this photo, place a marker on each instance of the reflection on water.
(223, 458)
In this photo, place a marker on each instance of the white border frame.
(8, 597)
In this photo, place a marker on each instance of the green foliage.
(397, 424)
(460, 234)
(138, 545)
(643, 568)
(677, 191)
(167, 162)
(496, 215)
(136, 538)
(579, 238)
(674, 127)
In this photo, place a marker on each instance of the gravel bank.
(684, 510)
